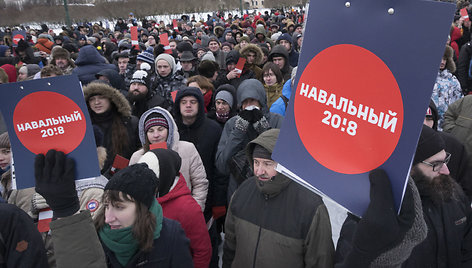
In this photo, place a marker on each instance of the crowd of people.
(197, 116)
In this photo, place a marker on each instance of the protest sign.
(46, 114)
(17, 36)
(164, 38)
(464, 14)
(134, 37)
(240, 66)
(360, 95)
(174, 24)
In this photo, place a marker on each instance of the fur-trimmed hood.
(254, 48)
(448, 55)
(100, 88)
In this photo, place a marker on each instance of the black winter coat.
(205, 134)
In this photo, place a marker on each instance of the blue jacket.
(278, 106)
(89, 63)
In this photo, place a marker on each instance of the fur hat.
(138, 181)
(58, 52)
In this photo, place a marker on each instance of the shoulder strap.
(285, 99)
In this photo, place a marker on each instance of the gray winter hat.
(226, 96)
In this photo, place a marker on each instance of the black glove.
(380, 229)
(256, 115)
(55, 181)
(247, 115)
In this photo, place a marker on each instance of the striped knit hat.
(146, 56)
(155, 119)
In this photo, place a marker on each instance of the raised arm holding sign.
(357, 106)
(48, 114)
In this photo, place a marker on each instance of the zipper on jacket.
(266, 197)
(257, 247)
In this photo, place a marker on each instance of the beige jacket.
(192, 166)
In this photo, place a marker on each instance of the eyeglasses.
(437, 165)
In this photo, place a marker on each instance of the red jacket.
(179, 205)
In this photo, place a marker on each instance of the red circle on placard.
(17, 38)
(46, 108)
(327, 131)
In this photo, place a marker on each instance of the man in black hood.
(204, 133)
(279, 56)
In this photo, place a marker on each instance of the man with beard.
(446, 209)
(140, 95)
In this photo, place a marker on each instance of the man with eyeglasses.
(440, 236)
(446, 209)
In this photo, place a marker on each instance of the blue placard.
(17, 36)
(48, 114)
(365, 76)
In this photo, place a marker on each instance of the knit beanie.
(33, 69)
(155, 119)
(4, 140)
(261, 152)
(141, 77)
(167, 58)
(146, 56)
(184, 46)
(138, 181)
(226, 96)
(208, 56)
(166, 165)
(430, 143)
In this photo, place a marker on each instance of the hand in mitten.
(39, 202)
(381, 229)
(55, 181)
(218, 212)
(260, 123)
(243, 119)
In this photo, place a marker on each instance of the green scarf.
(122, 242)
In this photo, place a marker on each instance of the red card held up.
(240, 66)
(134, 36)
(119, 163)
(159, 145)
(464, 14)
